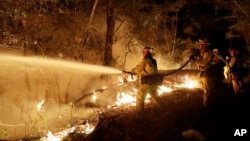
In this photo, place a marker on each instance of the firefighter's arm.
(232, 62)
(205, 60)
(140, 67)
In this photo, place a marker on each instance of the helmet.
(202, 42)
(148, 51)
(215, 50)
(233, 49)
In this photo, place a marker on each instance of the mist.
(27, 81)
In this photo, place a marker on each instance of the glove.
(191, 57)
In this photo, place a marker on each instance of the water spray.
(59, 63)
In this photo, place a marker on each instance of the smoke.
(163, 61)
(127, 51)
(134, 56)
(26, 81)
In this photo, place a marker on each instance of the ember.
(123, 98)
(84, 129)
(189, 83)
(130, 97)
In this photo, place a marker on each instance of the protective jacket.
(236, 69)
(209, 64)
(147, 66)
(211, 78)
(236, 64)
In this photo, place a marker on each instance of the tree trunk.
(107, 61)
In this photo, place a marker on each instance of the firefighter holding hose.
(147, 66)
(209, 74)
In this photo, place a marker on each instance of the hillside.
(185, 119)
(184, 115)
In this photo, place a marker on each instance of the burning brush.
(124, 96)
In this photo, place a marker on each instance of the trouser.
(211, 90)
(141, 97)
(238, 84)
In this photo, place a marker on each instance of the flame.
(130, 98)
(162, 89)
(51, 137)
(89, 128)
(189, 83)
(86, 128)
(39, 105)
(123, 98)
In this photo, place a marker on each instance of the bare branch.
(236, 3)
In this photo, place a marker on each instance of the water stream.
(27, 81)
(36, 61)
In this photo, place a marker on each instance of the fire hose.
(157, 79)
(154, 79)
(180, 68)
(163, 74)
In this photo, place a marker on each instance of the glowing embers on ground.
(123, 97)
(163, 89)
(189, 83)
(84, 129)
(130, 97)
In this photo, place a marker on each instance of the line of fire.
(53, 118)
(185, 80)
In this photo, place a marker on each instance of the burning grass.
(116, 119)
(185, 119)
(124, 124)
(185, 113)
(123, 103)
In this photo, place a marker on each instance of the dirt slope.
(185, 112)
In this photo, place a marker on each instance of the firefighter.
(218, 65)
(235, 69)
(147, 66)
(209, 74)
(217, 57)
